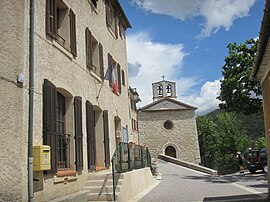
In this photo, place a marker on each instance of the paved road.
(181, 184)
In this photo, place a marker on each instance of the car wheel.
(265, 169)
(252, 171)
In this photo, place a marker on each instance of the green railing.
(128, 157)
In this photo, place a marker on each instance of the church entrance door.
(170, 151)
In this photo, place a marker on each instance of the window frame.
(94, 55)
(68, 40)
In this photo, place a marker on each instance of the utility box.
(42, 157)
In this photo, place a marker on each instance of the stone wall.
(183, 136)
(13, 107)
(69, 74)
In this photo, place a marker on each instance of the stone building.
(134, 99)
(261, 72)
(168, 126)
(81, 101)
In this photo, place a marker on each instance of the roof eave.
(263, 40)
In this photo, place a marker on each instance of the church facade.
(168, 126)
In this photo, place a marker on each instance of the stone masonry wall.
(13, 122)
(57, 65)
(183, 136)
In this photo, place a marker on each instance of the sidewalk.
(246, 198)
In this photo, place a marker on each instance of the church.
(168, 126)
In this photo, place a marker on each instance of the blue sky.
(187, 42)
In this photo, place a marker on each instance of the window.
(121, 30)
(61, 24)
(111, 19)
(114, 75)
(169, 90)
(168, 125)
(133, 104)
(135, 125)
(94, 2)
(63, 146)
(57, 108)
(160, 90)
(94, 54)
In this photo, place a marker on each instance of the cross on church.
(163, 77)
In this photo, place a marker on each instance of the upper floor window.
(122, 32)
(114, 75)
(61, 24)
(111, 18)
(94, 54)
(94, 2)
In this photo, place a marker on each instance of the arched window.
(169, 90)
(160, 90)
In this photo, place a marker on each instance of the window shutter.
(73, 44)
(88, 44)
(106, 138)
(123, 78)
(78, 132)
(91, 138)
(110, 69)
(119, 78)
(49, 121)
(101, 61)
(51, 18)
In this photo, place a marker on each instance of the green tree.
(238, 92)
(260, 143)
(231, 138)
(206, 134)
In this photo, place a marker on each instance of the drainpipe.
(31, 104)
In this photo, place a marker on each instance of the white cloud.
(206, 101)
(216, 13)
(155, 59)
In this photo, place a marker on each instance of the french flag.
(114, 81)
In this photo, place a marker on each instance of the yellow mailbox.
(42, 158)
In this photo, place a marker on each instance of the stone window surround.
(170, 126)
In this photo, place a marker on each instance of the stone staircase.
(100, 186)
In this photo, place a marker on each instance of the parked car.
(257, 160)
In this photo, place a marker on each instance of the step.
(100, 182)
(97, 176)
(96, 189)
(102, 197)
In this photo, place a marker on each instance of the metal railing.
(63, 151)
(128, 157)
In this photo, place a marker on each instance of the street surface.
(182, 184)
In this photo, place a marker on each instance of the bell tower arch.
(162, 89)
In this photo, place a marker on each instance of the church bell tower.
(163, 89)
